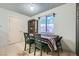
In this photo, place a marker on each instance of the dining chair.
(28, 40)
(39, 44)
(58, 44)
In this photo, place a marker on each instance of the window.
(46, 24)
(50, 24)
(42, 23)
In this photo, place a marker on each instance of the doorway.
(14, 30)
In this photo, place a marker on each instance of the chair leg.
(25, 47)
(41, 53)
(58, 52)
(35, 51)
(29, 48)
(47, 50)
(52, 52)
(44, 50)
(61, 47)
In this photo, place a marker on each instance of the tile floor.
(18, 50)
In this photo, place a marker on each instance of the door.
(77, 29)
(14, 30)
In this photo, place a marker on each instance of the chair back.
(58, 43)
(38, 41)
(60, 38)
(29, 38)
(57, 38)
(26, 36)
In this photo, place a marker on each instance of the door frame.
(77, 32)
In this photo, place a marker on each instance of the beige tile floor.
(18, 50)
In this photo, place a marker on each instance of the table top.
(50, 40)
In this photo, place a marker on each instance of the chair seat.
(30, 41)
(42, 46)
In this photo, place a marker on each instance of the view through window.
(46, 24)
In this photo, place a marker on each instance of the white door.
(15, 30)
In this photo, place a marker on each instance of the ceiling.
(24, 8)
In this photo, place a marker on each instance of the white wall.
(4, 24)
(65, 24)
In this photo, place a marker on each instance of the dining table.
(50, 41)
